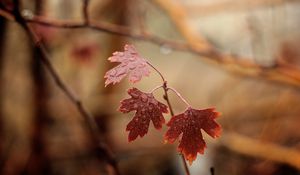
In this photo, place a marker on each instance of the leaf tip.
(218, 132)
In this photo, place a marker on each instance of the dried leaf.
(147, 108)
(190, 124)
(131, 63)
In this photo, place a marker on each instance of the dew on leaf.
(143, 114)
(192, 141)
(130, 62)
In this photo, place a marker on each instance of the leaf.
(147, 108)
(131, 63)
(190, 124)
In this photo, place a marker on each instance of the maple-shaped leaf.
(189, 124)
(147, 108)
(131, 63)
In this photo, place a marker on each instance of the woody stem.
(166, 97)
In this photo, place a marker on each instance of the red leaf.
(131, 63)
(190, 124)
(147, 108)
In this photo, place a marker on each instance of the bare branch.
(232, 6)
(282, 73)
(260, 149)
(179, 17)
(100, 146)
(85, 11)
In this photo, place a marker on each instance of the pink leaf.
(131, 63)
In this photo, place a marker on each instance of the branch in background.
(85, 11)
(282, 73)
(100, 147)
(231, 6)
(260, 149)
(179, 17)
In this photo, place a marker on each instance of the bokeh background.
(41, 131)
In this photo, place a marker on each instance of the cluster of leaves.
(185, 126)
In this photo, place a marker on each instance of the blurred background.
(41, 131)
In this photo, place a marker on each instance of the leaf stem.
(157, 87)
(166, 97)
(159, 73)
(179, 95)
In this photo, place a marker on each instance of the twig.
(89, 119)
(159, 73)
(282, 73)
(166, 97)
(6, 14)
(212, 171)
(232, 6)
(157, 87)
(277, 72)
(85, 11)
(179, 17)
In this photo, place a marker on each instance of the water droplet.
(144, 98)
(165, 49)
(27, 14)
(132, 58)
(142, 65)
(134, 95)
(132, 66)
(113, 72)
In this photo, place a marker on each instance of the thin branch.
(154, 89)
(212, 171)
(159, 73)
(85, 11)
(232, 6)
(282, 73)
(108, 28)
(186, 168)
(179, 95)
(88, 118)
(278, 72)
(6, 14)
(179, 17)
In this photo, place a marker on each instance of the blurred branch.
(280, 72)
(85, 11)
(232, 6)
(179, 17)
(6, 14)
(260, 149)
(101, 148)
